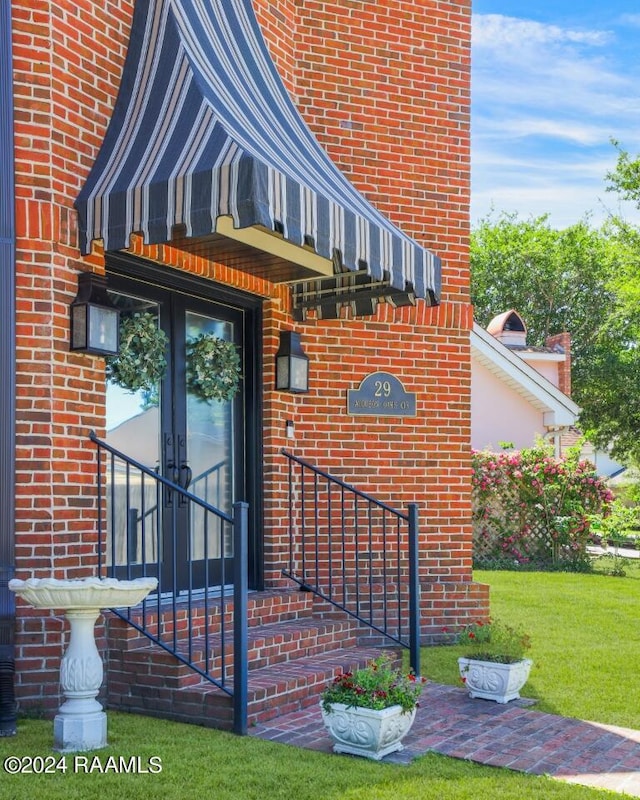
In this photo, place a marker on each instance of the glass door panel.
(195, 443)
(210, 449)
(133, 428)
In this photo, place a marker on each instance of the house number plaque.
(382, 395)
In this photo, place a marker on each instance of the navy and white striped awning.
(204, 128)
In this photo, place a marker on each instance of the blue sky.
(552, 83)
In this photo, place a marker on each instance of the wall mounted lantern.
(292, 365)
(95, 321)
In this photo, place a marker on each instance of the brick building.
(204, 196)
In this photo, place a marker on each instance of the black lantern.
(292, 365)
(95, 321)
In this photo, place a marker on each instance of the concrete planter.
(490, 680)
(365, 731)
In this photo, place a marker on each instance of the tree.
(625, 181)
(556, 279)
(569, 280)
(611, 402)
(625, 178)
(613, 413)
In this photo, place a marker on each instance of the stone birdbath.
(81, 723)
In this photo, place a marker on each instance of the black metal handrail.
(130, 545)
(355, 552)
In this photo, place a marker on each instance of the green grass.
(202, 763)
(586, 637)
(585, 631)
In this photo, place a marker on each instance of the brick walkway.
(512, 735)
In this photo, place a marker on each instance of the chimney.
(561, 343)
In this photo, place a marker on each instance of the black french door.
(203, 445)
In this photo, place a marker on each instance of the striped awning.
(204, 129)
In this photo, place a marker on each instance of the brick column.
(562, 342)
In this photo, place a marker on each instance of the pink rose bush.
(532, 509)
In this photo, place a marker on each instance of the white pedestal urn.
(365, 731)
(490, 680)
(81, 723)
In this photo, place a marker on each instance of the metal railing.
(356, 553)
(203, 486)
(210, 483)
(150, 526)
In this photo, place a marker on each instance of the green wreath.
(141, 361)
(213, 368)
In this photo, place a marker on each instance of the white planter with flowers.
(369, 711)
(496, 667)
(367, 732)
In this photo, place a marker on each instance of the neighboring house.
(519, 393)
(606, 466)
(174, 155)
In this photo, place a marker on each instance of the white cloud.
(527, 62)
(547, 100)
(566, 188)
(577, 131)
(499, 32)
(525, 168)
(564, 204)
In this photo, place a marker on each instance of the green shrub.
(620, 527)
(627, 490)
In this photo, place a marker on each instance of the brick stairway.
(297, 644)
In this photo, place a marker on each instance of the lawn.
(586, 637)
(202, 763)
(585, 632)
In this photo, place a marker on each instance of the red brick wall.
(385, 87)
(279, 22)
(67, 63)
(563, 340)
(423, 459)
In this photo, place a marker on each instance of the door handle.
(173, 473)
(170, 469)
(188, 477)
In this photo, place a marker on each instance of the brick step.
(298, 684)
(274, 690)
(263, 608)
(295, 650)
(267, 645)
